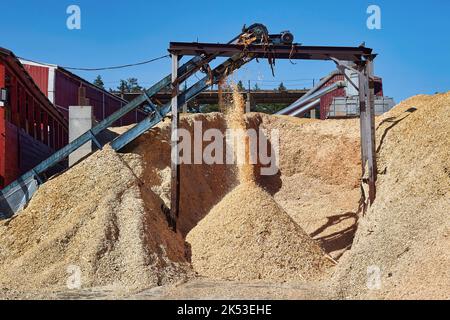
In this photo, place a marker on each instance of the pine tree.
(281, 87)
(99, 82)
(133, 85)
(240, 86)
(129, 86)
(123, 87)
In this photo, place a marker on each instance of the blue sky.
(413, 44)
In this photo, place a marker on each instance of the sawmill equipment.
(15, 196)
(361, 57)
(285, 37)
(253, 42)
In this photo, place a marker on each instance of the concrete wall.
(80, 121)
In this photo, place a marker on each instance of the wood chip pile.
(103, 217)
(97, 219)
(248, 236)
(406, 234)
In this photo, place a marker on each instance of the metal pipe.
(317, 86)
(306, 108)
(313, 97)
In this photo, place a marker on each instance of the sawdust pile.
(247, 236)
(104, 216)
(319, 180)
(99, 219)
(110, 223)
(406, 234)
(203, 185)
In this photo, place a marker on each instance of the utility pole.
(248, 102)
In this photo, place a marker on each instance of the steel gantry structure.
(252, 43)
(240, 53)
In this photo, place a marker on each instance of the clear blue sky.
(414, 42)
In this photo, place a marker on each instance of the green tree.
(129, 86)
(240, 86)
(99, 82)
(256, 87)
(133, 85)
(269, 108)
(281, 87)
(123, 87)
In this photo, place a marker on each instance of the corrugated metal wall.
(379, 87)
(67, 94)
(342, 107)
(326, 100)
(40, 76)
(31, 152)
(27, 113)
(31, 128)
(22, 153)
(12, 168)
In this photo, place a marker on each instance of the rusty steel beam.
(354, 54)
(175, 166)
(370, 125)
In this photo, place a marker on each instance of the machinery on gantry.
(253, 42)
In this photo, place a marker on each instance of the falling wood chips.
(248, 236)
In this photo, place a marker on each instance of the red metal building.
(31, 128)
(65, 89)
(327, 100)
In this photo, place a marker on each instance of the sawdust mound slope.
(247, 236)
(202, 185)
(320, 172)
(94, 218)
(406, 233)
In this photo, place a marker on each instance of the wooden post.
(175, 185)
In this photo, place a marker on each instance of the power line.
(119, 67)
(284, 80)
(104, 68)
